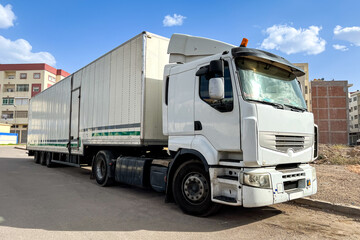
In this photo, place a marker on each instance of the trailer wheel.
(101, 169)
(37, 157)
(42, 158)
(192, 191)
(48, 162)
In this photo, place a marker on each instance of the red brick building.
(330, 107)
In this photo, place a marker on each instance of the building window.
(349, 99)
(7, 115)
(52, 79)
(355, 108)
(356, 125)
(11, 77)
(356, 116)
(9, 88)
(21, 114)
(21, 101)
(36, 89)
(352, 118)
(306, 89)
(23, 75)
(8, 101)
(36, 75)
(22, 87)
(355, 98)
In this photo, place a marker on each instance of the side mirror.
(216, 88)
(216, 68)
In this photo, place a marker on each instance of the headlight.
(261, 180)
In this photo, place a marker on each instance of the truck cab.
(238, 126)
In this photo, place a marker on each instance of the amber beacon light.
(244, 42)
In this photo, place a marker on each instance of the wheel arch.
(182, 156)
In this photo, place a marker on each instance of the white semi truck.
(206, 122)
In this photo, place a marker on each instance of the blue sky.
(70, 34)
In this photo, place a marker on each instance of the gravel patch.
(337, 184)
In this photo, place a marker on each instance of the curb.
(323, 205)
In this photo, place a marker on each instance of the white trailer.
(115, 100)
(205, 122)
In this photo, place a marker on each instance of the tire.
(48, 157)
(37, 157)
(42, 158)
(101, 168)
(192, 190)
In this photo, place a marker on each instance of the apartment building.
(330, 106)
(354, 117)
(18, 83)
(305, 84)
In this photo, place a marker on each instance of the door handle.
(197, 126)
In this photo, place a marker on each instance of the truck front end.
(278, 135)
(238, 127)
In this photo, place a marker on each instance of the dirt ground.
(337, 184)
(37, 202)
(338, 173)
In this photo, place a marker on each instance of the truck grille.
(283, 143)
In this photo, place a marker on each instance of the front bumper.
(287, 184)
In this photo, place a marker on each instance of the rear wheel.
(192, 191)
(101, 168)
(42, 158)
(37, 157)
(48, 157)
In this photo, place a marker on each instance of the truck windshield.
(262, 82)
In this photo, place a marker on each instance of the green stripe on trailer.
(54, 144)
(127, 133)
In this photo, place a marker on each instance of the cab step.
(227, 177)
(225, 199)
(230, 160)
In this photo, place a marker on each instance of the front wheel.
(192, 189)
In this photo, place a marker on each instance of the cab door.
(218, 120)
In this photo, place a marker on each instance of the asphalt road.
(37, 202)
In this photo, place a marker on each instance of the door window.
(224, 105)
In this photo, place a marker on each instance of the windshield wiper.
(278, 105)
(296, 108)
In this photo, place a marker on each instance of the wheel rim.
(195, 188)
(101, 169)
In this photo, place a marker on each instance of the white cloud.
(7, 16)
(290, 40)
(340, 47)
(175, 20)
(20, 51)
(350, 34)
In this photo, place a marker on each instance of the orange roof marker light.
(244, 42)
